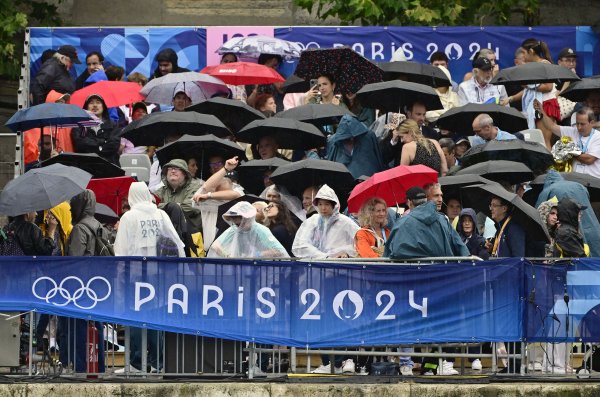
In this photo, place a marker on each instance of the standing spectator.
(54, 74)
(478, 89)
(363, 114)
(467, 230)
(567, 58)
(453, 210)
(167, 63)
(549, 214)
(435, 195)
(448, 97)
(276, 89)
(324, 92)
(93, 61)
(371, 237)
(29, 236)
(568, 242)
(279, 220)
(509, 240)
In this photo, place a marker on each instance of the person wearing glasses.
(509, 240)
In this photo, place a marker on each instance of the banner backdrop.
(288, 303)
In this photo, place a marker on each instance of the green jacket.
(182, 195)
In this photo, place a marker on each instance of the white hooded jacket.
(141, 226)
(321, 237)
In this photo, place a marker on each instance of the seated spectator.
(509, 240)
(260, 211)
(54, 74)
(279, 193)
(549, 214)
(323, 92)
(448, 97)
(371, 237)
(138, 110)
(478, 89)
(569, 242)
(279, 220)
(417, 149)
(363, 114)
(103, 139)
(453, 210)
(485, 131)
(328, 234)
(467, 230)
(182, 98)
(245, 238)
(114, 73)
(308, 195)
(265, 103)
(276, 89)
(167, 63)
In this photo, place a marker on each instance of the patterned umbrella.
(350, 70)
(253, 46)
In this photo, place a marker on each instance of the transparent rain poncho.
(247, 239)
(292, 202)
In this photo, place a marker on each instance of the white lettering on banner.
(317, 298)
(383, 315)
(377, 51)
(261, 299)
(358, 47)
(411, 301)
(338, 304)
(407, 48)
(182, 303)
(431, 48)
(214, 304)
(240, 308)
(138, 289)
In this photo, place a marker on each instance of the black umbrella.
(500, 170)
(251, 173)
(233, 113)
(451, 185)
(105, 214)
(90, 162)
(479, 197)
(590, 182)
(350, 70)
(392, 96)
(316, 114)
(200, 148)
(299, 175)
(42, 188)
(289, 134)
(414, 72)
(532, 154)
(534, 73)
(295, 84)
(460, 119)
(223, 208)
(578, 91)
(151, 130)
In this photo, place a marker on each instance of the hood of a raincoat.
(568, 212)
(292, 202)
(82, 205)
(471, 214)
(545, 208)
(349, 127)
(139, 194)
(62, 213)
(179, 163)
(327, 193)
(54, 96)
(168, 55)
(95, 77)
(425, 213)
(243, 209)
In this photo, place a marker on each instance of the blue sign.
(278, 302)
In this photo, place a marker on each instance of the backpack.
(9, 245)
(165, 246)
(103, 247)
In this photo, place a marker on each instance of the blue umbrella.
(47, 114)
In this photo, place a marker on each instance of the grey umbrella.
(534, 73)
(42, 188)
(578, 91)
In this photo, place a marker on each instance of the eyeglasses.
(268, 207)
(492, 205)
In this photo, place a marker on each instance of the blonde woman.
(417, 149)
(370, 239)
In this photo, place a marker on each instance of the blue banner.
(278, 302)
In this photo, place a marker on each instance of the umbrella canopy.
(414, 72)
(199, 86)
(152, 129)
(578, 91)
(460, 119)
(233, 113)
(316, 114)
(590, 182)
(253, 46)
(350, 70)
(500, 170)
(295, 84)
(114, 93)
(299, 175)
(479, 197)
(104, 214)
(243, 73)
(392, 96)
(534, 73)
(251, 173)
(289, 134)
(391, 185)
(46, 114)
(532, 154)
(42, 188)
(199, 147)
(451, 185)
(111, 191)
(90, 162)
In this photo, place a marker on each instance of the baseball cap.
(415, 193)
(482, 63)
(69, 51)
(567, 52)
(462, 139)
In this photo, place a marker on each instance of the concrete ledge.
(298, 390)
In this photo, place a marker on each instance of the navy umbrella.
(47, 114)
(42, 188)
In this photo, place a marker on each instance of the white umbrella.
(198, 86)
(253, 46)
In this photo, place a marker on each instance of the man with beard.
(478, 89)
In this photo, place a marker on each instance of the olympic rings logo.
(76, 296)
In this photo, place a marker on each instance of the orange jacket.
(368, 245)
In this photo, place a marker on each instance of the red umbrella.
(391, 185)
(114, 93)
(111, 191)
(242, 73)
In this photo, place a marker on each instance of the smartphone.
(314, 84)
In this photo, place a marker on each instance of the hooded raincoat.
(141, 227)
(424, 232)
(569, 242)
(246, 240)
(475, 242)
(355, 146)
(168, 55)
(62, 213)
(555, 185)
(53, 75)
(292, 202)
(82, 241)
(321, 237)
